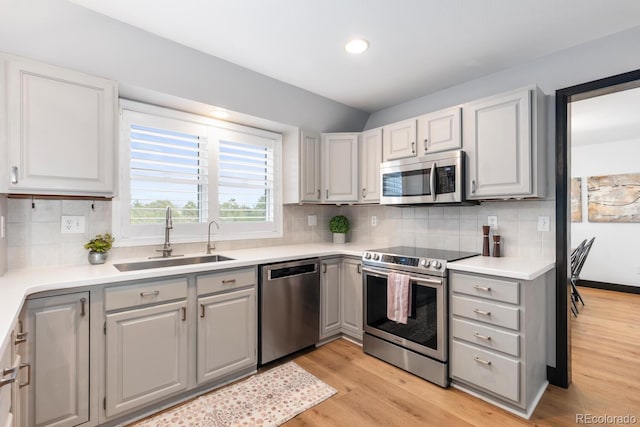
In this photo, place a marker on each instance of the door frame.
(560, 375)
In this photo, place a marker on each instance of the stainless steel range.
(419, 345)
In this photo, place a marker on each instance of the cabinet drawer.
(145, 293)
(486, 287)
(225, 280)
(485, 336)
(486, 369)
(484, 311)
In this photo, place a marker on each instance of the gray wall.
(604, 57)
(62, 33)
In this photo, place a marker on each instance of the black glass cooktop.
(441, 254)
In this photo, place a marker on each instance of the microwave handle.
(432, 181)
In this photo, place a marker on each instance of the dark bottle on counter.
(485, 240)
(496, 245)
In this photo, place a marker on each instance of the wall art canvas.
(576, 199)
(614, 198)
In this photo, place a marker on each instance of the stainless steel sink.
(169, 262)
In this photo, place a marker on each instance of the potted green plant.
(98, 248)
(339, 226)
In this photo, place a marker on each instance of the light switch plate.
(492, 220)
(543, 223)
(374, 220)
(70, 224)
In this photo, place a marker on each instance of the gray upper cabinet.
(504, 141)
(370, 159)
(440, 131)
(61, 130)
(399, 140)
(340, 167)
(309, 167)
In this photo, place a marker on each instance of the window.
(202, 169)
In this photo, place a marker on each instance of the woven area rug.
(267, 399)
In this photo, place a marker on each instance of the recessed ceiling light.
(356, 46)
(220, 113)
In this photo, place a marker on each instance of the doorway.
(561, 374)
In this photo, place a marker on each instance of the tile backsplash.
(34, 237)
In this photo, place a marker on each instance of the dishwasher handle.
(278, 272)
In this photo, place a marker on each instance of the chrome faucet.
(210, 246)
(168, 225)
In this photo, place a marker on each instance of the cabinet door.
(340, 171)
(61, 130)
(351, 301)
(370, 159)
(6, 402)
(497, 135)
(399, 140)
(227, 333)
(146, 355)
(330, 319)
(58, 353)
(309, 167)
(440, 131)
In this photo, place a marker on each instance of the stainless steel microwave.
(432, 179)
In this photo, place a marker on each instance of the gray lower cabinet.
(351, 297)
(227, 323)
(57, 360)
(330, 313)
(498, 339)
(227, 333)
(146, 357)
(341, 298)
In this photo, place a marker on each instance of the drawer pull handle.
(484, 313)
(21, 337)
(12, 372)
(484, 362)
(14, 174)
(228, 281)
(150, 294)
(482, 337)
(83, 301)
(201, 310)
(184, 313)
(28, 366)
(482, 288)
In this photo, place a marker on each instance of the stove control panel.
(416, 264)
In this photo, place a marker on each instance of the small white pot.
(339, 238)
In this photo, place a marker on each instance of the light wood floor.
(606, 379)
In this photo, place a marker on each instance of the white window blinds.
(168, 167)
(245, 178)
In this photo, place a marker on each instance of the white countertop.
(16, 285)
(516, 268)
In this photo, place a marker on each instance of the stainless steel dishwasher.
(289, 307)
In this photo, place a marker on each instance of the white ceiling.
(417, 47)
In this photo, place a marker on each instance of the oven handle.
(381, 274)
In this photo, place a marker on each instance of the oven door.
(426, 328)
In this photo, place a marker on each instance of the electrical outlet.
(312, 220)
(71, 224)
(374, 220)
(492, 221)
(543, 223)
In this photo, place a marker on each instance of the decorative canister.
(97, 257)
